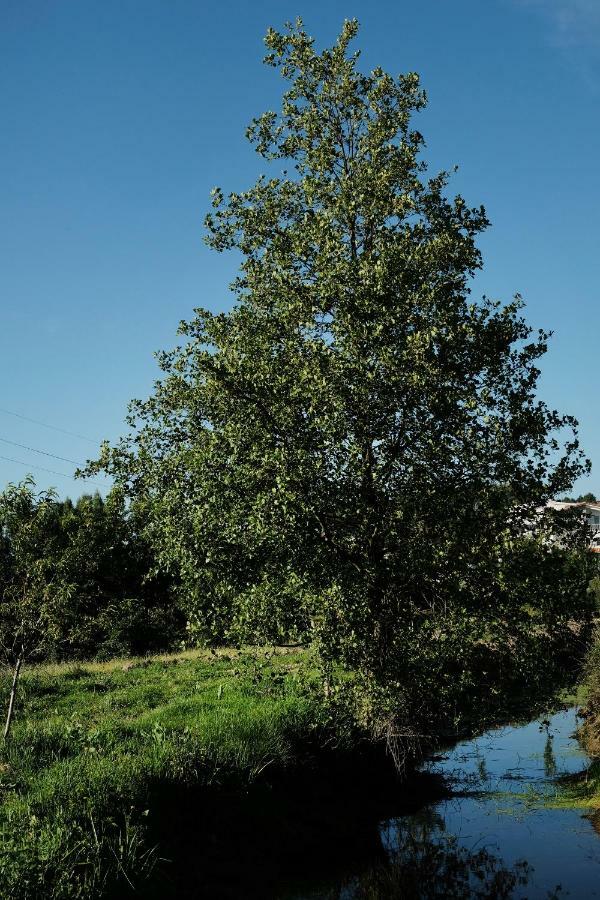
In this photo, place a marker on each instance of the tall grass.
(583, 790)
(91, 744)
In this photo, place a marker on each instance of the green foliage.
(357, 448)
(35, 588)
(594, 592)
(584, 790)
(122, 607)
(80, 776)
(592, 680)
(91, 558)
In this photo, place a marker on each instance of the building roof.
(563, 504)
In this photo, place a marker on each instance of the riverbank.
(583, 789)
(147, 773)
(94, 745)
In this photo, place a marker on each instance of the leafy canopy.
(351, 448)
(35, 590)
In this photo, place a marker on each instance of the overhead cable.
(43, 452)
(74, 434)
(20, 462)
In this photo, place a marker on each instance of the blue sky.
(119, 116)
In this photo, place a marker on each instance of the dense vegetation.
(88, 569)
(355, 455)
(589, 788)
(583, 789)
(354, 459)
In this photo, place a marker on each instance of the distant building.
(592, 513)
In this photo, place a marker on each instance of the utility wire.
(50, 471)
(43, 452)
(81, 437)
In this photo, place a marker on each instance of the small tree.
(583, 498)
(34, 594)
(120, 607)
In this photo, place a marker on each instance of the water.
(470, 824)
(502, 775)
(493, 837)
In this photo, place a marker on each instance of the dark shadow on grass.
(283, 836)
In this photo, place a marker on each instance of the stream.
(475, 821)
(493, 837)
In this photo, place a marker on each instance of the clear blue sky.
(118, 117)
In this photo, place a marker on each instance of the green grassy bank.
(92, 745)
(150, 777)
(584, 790)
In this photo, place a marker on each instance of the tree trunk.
(11, 701)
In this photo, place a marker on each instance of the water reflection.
(426, 863)
(550, 766)
(496, 836)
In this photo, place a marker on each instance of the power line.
(81, 437)
(43, 452)
(50, 471)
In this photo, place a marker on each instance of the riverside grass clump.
(591, 729)
(91, 743)
(583, 789)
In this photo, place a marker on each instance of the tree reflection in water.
(550, 766)
(426, 863)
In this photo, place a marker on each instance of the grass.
(113, 765)
(582, 790)
(579, 791)
(92, 743)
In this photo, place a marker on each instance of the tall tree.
(351, 447)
